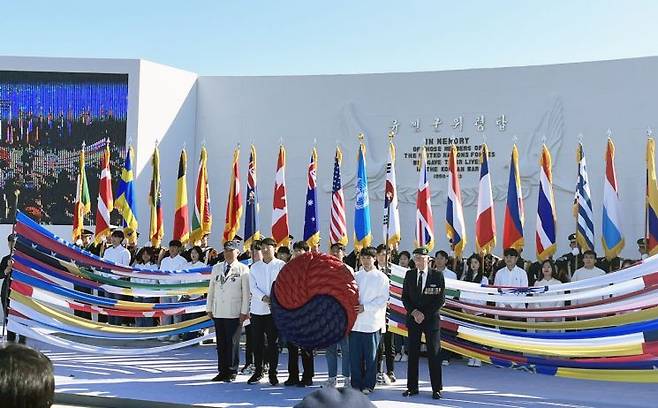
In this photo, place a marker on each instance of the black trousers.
(263, 326)
(225, 334)
(386, 352)
(293, 364)
(249, 344)
(433, 342)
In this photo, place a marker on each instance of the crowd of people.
(239, 298)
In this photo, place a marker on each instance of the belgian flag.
(181, 217)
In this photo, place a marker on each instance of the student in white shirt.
(386, 352)
(337, 250)
(173, 262)
(118, 254)
(373, 287)
(262, 275)
(197, 260)
(511, 275)
(255, 256)
(475, 273)
(589, 270)
(143, 261)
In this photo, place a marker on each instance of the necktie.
(228, 268)
(420, 282)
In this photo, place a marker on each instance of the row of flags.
(485, 223)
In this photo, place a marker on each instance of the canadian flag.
(280, 230)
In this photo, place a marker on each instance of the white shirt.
(447, 273)
(148, 266)
(261, 277)
(517, 277)
(423, 278)
(173, 264)
(194, 265)
(582, 274)
(550, 282)
(119, 255)
(373, 295)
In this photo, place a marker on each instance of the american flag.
(338, 229)
(424, 219)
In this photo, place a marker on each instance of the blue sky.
(279, 37)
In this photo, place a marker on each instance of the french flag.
(485, 223)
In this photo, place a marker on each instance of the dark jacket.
(429, 302)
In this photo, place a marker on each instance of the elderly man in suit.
(228, 306)
(423, 294)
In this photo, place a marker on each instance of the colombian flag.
(652, 199)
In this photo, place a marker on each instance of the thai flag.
(514, 218)
(485, 222)
(546, 220)
(424, 219)
(612, 237)
(583, 208)
(455, 226)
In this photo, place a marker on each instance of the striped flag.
(337, 226)
(182, 217)
(234, 203)
(424, 218)
(455, 226)
(391, 206)
(362, 228)
(105, 203)
(82, 204)
(514, 218)
(125, 202)
(611, 236)
(652, 199)
(202, 216)
(583, 204)
(311, 231)
(156, 226)
(546, 219)
(251, 232)
(280, 230)
(485, 222)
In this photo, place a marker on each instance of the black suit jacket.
(429, 302)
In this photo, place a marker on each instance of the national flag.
(251, 231)
(234, 204)
(362, 229)
(311, 230)
(156, 227)
(337, 225)
(485, 221)
(546, 220)
(181, 217)
(391, 206)
(82, 204)
(514, 213)
(424, 218)
(583, 204)
(455, 226)
(202, 216)
(105, 203)
(280, 229)
(652, 199)
(611, 236)
(126, 202)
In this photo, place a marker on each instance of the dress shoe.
(274, 380)
(218, 377)
(305, 382)
(291, 381)
(255, 379)
(436, 395)
(409, 393)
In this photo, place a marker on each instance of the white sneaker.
(477, 363)
(366, 391)
(470, 362)
(398, 357)
(347, 382)
(404, 357)
(445, 363)
(330, 383)
(380, 379)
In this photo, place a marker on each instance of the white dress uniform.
(228, 297)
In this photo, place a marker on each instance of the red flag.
(105, 200)
(234, 204)
(182, 217)
(280, 230)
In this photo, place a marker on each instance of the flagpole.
(8, 277)
(389, 200)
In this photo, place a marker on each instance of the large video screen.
(44, 119)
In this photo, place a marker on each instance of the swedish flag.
(125, 202)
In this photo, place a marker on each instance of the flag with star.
(251, 232)
(311, 231)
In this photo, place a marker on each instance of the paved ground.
(182, 377)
